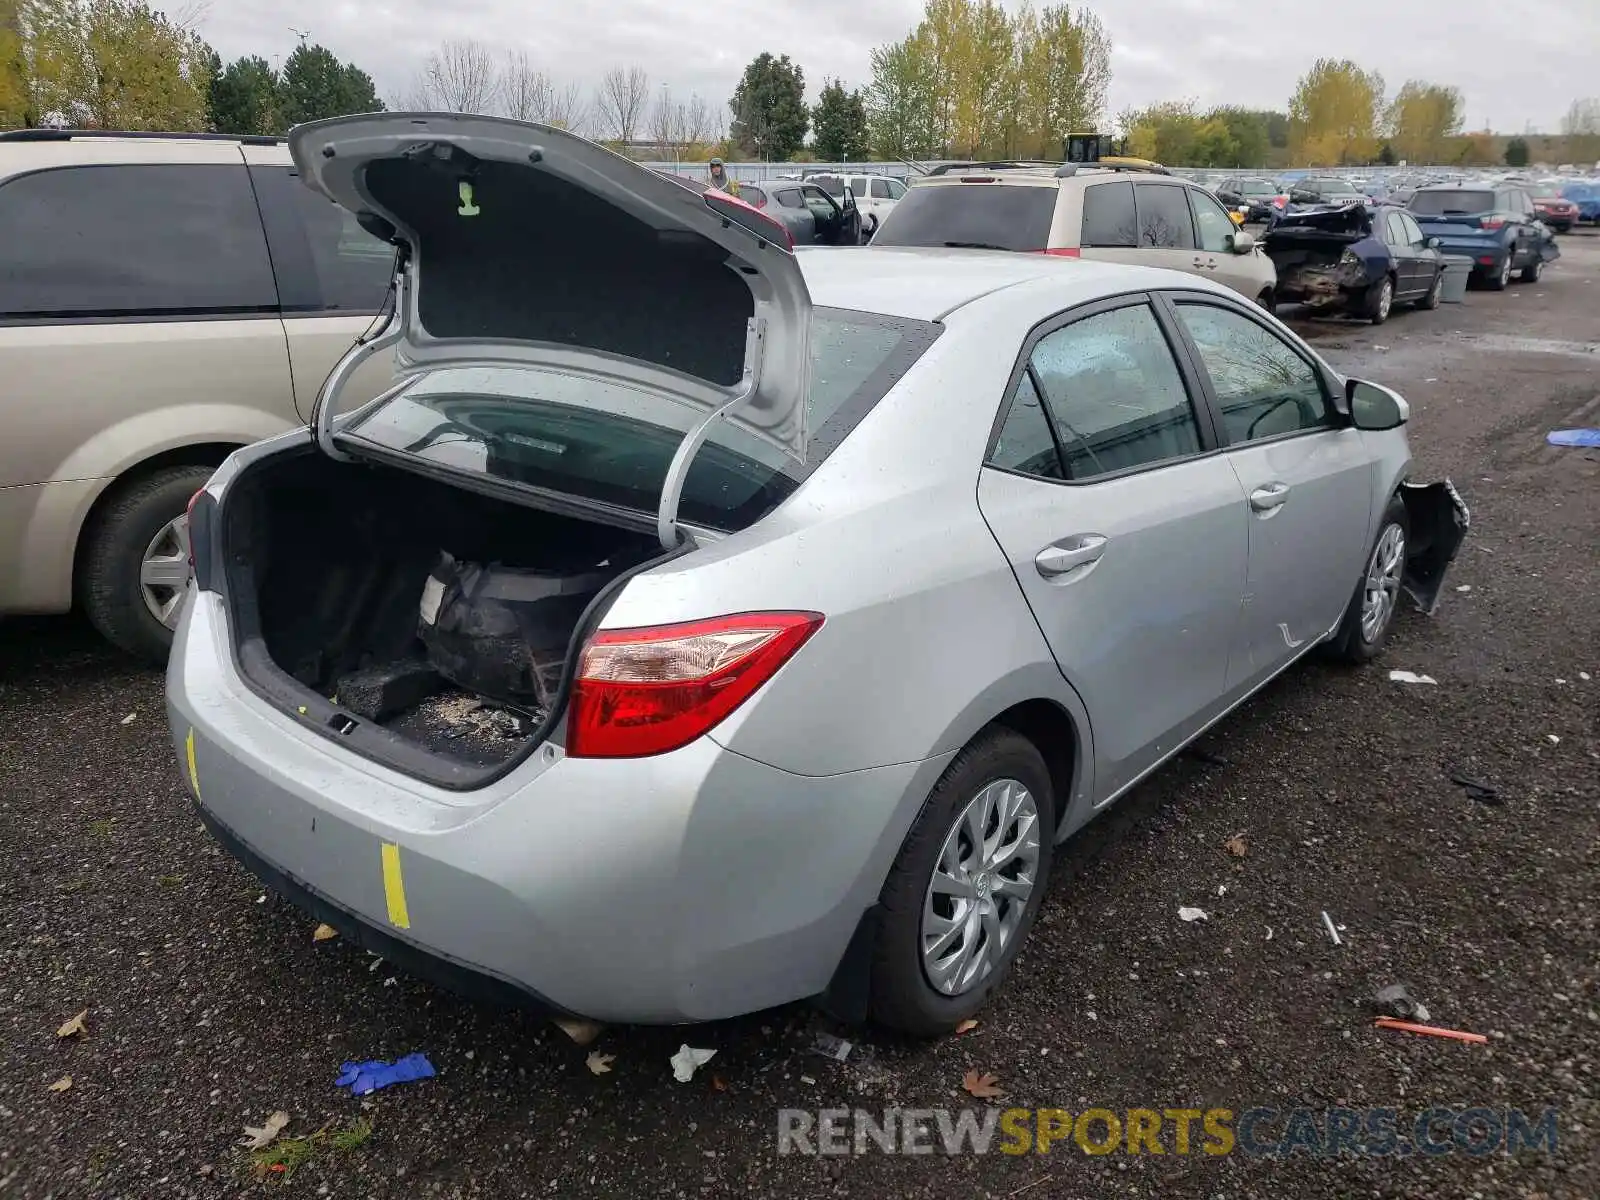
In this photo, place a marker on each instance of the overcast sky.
(1516, 63)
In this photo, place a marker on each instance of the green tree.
(839, 124)
(316, 85)
(1064, 67)
(900, 103)
(1516, 153)
(1422, 119)
(244, 98)
(114, 64)
(1387, 156)
(1249, 134)
(14, 89)
(1334, 114)
(769, 108)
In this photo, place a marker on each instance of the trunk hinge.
(672, 488)
(386, 338)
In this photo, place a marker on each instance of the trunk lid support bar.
(678, 471)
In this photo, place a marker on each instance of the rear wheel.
(1501, 278)
(1371, 611)
(965, 888)
(1531, 272)
(1380, 300)
(133, 564)
(1431, 300)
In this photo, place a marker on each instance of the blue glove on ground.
(364, 1077)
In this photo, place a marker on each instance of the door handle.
(1272, 496)
(1069, 554)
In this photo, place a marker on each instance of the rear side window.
(132, 241)
(789, 198)
(984, 216)
(1114, 393)
(880, 190)
(1452, 200)
(1025, 443)
(614, 443)
(324, 260)
(1108, 215)
(831, 184)
(1164, 221)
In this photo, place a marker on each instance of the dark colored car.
(1495, 226)
(1355, 258)
(1319, 189)
(1255, 196)
(813, 217)
(1554, 209)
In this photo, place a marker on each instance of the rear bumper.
(1322, 285)
(690, 886)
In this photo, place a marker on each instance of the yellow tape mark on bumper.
(394, 887)
(194, 775)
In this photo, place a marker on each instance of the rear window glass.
(1256, 187)
(828, 183)
(982, 216)
(1108, 215)
(613, 443)
(1453, 200)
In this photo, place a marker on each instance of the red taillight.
(1486, 259)
(1492, 223)
(647, 691)
(747, 216)
(1064, 252)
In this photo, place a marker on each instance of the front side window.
(880, 190)
(1212, 222)
(1109, 219)
(1164, 221)
(1263, 387)
(1414, 234)
(612, 441)
(1113, 392)
(133, 241)
(1397, 230)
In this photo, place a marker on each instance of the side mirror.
(1433, 243)
(1243, 242)
(1374, 407)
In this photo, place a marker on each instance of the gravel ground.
(209, 1005)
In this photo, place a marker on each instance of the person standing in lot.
(720, 178)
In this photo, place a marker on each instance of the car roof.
(929, 283)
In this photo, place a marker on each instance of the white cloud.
(1515, 65)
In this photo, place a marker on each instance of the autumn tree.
(839, 124)
(244, 98)
(1334, 114)
(315, 85)
(1063, 69)
(1422, 119)
(769, 108)
(113, 64)
(14, 74)
(900, 103)
(620, 102)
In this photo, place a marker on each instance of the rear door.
(1127, 537)
(1162, 233)
(333, 280)
(1306, 479)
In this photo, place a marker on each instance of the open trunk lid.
(1329, 229)
(524, 245)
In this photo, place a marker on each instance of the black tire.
(1531, 272)
(1500, 278)
(1268, 300)
(902, 997)
(1351, 643)
(1378, 303)
(1435, 293)
(112, 550)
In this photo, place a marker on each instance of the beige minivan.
(164, 299)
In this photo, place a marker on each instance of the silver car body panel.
(738, 868)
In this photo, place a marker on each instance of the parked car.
(748, 763)
(1325, 189)
(1083, 212)
(875, 195)
(164, 299)
(1354, 258)
(812, 216)
(1587, 197)
(1554, 209)
(1496, 227)
(1253, 196)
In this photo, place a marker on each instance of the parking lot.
(210, 1006)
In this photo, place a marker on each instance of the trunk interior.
(424, 625)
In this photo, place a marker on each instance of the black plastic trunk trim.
(371, 741)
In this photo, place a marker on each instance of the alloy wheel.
(1381, 592)
(164, 571)
(985, 874)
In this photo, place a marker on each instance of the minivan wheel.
(133, 564)
(1372, 608)
(965, 888)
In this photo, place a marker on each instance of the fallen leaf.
(966, 1026)
(582, 1032)
(323, 932)
(130, 718)
(688, 1060)
(1237, 845)
(259, 1138)
(75, 1026)
(1193, 914)
(61, 1084)
(981, 1084)
(718, 1083)
(599, 1064)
